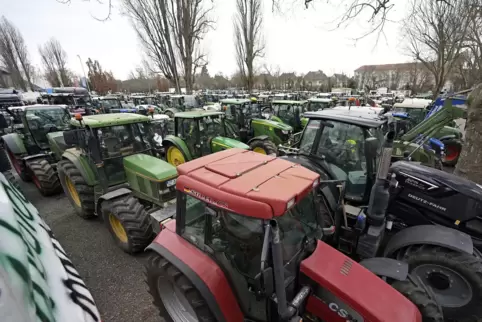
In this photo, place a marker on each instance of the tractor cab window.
(309, 136)
(284, 111)
(211, 126)
(416, 115)
(108, 104)
(46, 120)
(343, 147)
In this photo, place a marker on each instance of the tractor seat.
(439, 178)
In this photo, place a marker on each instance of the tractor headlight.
(171, 183)
(285, 131)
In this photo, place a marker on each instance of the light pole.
(83, 71)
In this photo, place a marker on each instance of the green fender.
(276, 119)
(304, 121)
(448, 131)
(220, 143)
(178, 143)
(82, 164)
(14, 143)
(57, 143)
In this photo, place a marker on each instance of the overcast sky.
(297, 39)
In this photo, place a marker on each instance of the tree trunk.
(469, 165)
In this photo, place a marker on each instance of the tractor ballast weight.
(110, 172)
(239, 250)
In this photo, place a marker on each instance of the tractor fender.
(35, 156)
(110, 195)
(431, 235)
(386, 267)
(14, 143)
(178, 143)
(259, 137)
(448, 137)
(82, 164)
(201, 270)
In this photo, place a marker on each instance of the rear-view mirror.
(371, 147)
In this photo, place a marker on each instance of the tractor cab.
(161, 126)
(76, 98)
(107, 104)
(198, 133)
(289, 112)
(318, 104)
(245, 246)
(414, 109)
(145, 100)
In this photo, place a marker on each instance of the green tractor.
(198, 133)
(290, 112)
(111, 172)
(35, 145)
(245, 122)
(319, 103)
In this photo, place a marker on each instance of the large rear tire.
(454, 277)
(452, 153)
(80, 195)
(173, 293)
(19, 166)
(44, 177)
(128, 223)
(414, 290)
(4, 162)
(263, 147)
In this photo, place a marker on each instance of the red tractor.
(245, 246)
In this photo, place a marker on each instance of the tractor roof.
(196, 114)
(288, 102)
(247, 183)
(235, 101)
(102, 120)
(415, 103)
(352, 116)
(320, 100)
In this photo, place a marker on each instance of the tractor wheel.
(174, 156)
(454, 277)
(128, 223)
(44, 177)
(170, 114)
(4, 162)
(423, 298)
(19, 167)
(80, 195)
(263, 147)
(452, 153)
(174, 295)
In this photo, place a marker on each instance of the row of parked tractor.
(346, 219)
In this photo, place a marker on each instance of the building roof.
(387, 67)
(246, 183)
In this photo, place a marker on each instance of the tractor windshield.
(108, 104)
(121, 140)
(44, 120)
(342, 146)
(211, 126)
(417, 115)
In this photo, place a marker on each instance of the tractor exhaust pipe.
(380, 191)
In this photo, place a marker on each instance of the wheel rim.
(117, 228)
(72, 191)
(259, 150)
(14, 162)
(452, 153)
(450, 288)
(176, 304)
(175, 156)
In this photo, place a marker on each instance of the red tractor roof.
(246, 182)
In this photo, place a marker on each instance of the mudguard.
(447, 137)
(14, 143)
(276, 119)
(386, 267)
(260, 137)
(82, 164)
(110, 195)
(178, 143)
(201, 270)
(432, 235)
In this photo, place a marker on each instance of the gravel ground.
(115, 279)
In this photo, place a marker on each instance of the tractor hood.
(227, 143)
(274, 124)
(149, 167)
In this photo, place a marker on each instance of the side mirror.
(371, 147)
(71, 137)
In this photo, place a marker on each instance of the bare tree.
(14, 54)
(54, 59)
(248, 22)
(436, 32)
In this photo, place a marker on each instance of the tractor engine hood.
(227, 143)
(274, 124)
(149, 167)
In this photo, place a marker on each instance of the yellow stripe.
(220, 144)
(149, 178)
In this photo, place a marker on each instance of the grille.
(346, 267)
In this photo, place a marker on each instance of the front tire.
(173, 293)
(263, 146)
(44, 177)
(174, 156)
(80, 195)
(128, 223)
(423, 298)
(454, 277)
(452, 153)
